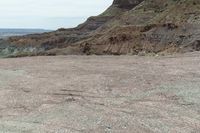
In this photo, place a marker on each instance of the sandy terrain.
(103, 94)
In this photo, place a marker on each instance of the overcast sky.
(48, 14)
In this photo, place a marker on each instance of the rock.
(126, 27)
(126, 4)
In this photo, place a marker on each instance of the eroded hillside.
(126, 27)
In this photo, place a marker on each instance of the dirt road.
(116, 94)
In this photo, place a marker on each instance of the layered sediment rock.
(126, 4)
(126, 27)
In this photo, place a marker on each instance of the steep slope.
(126, 27)
(154, 26)
(38, 44)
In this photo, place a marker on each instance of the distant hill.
(19, 32)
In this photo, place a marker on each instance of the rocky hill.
(126, 27)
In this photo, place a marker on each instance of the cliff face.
(126, 4)
(126, 27)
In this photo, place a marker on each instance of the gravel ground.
(102, 94)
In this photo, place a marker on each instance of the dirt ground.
(119, 94)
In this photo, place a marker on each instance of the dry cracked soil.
(104, 94)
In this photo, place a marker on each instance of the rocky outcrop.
(126, 27)
(126, 4)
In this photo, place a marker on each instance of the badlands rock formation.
(126, 27)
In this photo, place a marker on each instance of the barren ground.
(100, 94)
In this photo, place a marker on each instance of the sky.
(48, 14)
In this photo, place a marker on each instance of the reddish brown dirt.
(100, 94)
